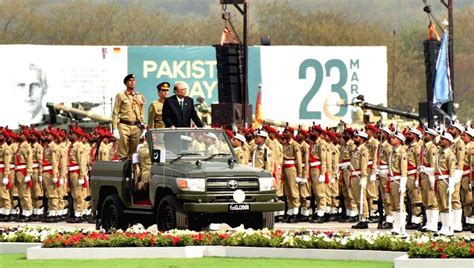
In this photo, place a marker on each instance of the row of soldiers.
(45, 174)
(325, 176)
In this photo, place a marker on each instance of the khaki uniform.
(127, 113)
(359, 160)
(63, 189)
(104, 151)
(385, 150)
(77, 170)
(372, 185)
(50, 172)
(466, 181)
(24, 167)
(459, 150)
(197, 146)
(444, 171)
(240, 154)
(414, 193)
(37, 190)
(246, 149)
(278, 159)
(305, 188)
(14, 188)
(145, 166)
(319, 160)
(291, 169)
(428, 195)
(398, 168)
(5, 171)
(346, 152)
(333, 187)
(262, 158)
(155, 114)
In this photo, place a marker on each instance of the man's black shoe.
(317, 219)
(385, 226)
(361, 225)
(413, 226)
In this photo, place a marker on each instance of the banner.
(33, 75)
(302, 84)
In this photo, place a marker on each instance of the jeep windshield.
(181, 144)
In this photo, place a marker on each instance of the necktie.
(181, 105)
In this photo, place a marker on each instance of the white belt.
(411, 172)
(73, 168)
(21, 167)
(383, 167)
(394, 178)
(2, 165)
(344, 165)
(355, 173)
(288, 162)
(46, 168)
(314, 164)
(370, 163)
(35, 165)
(441, 177)
(466, 172)
(303, 165)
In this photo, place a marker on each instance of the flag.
(442, 86)
(258, 108)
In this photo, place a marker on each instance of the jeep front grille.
(222, 184)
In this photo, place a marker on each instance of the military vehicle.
(195, 180)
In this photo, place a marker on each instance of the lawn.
(19, 261)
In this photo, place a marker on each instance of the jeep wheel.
(112, 215)
(261, 220)
(268, 220)
(170, 215)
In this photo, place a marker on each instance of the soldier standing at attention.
(24, 170)
(372, 188)
(468, 179)
(304, 186)
(413, 184)
(385, 149)
(347, 149)
(127, 118)
(77, 172)
(262, 155)
(459, 149)
(155, 111)
(51, 178)
(291, 171)
(358, 167)
(237, 141)
(37, 179)
(5, 158)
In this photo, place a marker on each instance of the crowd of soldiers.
(410, 179)
(45, 174)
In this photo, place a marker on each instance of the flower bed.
(417, 245)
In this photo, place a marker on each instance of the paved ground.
(329, 226)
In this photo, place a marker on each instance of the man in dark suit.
(178, 110)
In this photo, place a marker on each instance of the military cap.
(261, 133)
(470, 131)
(128, 77)
(240, 137)
(361, 134)
(163, 86)
(431, 131)
(318, 128)
(399, 135)
(387, 130)
(458, 126)
(372, 127)
(331, 135)
(446, 135)
(415, 131)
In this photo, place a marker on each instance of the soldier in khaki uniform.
(51, 178)
(332, 208)
(304, 185)
(413, 183)
(155, 110)
(145, 166)
(319, 160)
(261, 154)
(237, 140)
(385, 149)
(63, 188)
(24, 170)
(292, 170)
(372, 185)
(468, 179)
(5, 158)
(426, 170)
(445, 182)
(37, 190)
(397, 176)
(14, 196)
(104, 148)
(77, 173)
(459, 150)
(128, 118)
(358, 168)
(348, 147)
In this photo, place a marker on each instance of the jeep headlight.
(266, 184)
(194, 185)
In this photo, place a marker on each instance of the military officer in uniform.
(445, 182)
(24, 170)
(468, 179)
(5, 158)
(77, 173)
(261, 154)
(372, 188)
(348, 147)
(397, 177)
(51, 178)
(128, 118)
(304, 185)
(385, 149)
(237, 140)
(358, 167)
(332, 208)
(459, 150)
(413, 183)
(292, 170)
(155, 111)
(36, 177)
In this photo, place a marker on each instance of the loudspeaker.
(229, 73)
(431, 51)
(230, 113)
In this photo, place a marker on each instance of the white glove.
(40, 178)
(27, 179)
(135, 159)
(363, 182)
(116, 134)
(373, 177)
(298, 180)
(142, 136)
(55, 180)
(451, 185)
(80, 181)
(432, 182)
(321, 178)
(302, 182)
(458, 175)
(403, 184)
(422, 169)
(62, 181)
(5, 181)
(417, 183)
(383, 172)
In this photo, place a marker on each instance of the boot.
(445, 225)
(415, 223)
(457, 220)
(396, 223)
(361, 225)
(428, 221)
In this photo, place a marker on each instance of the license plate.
(239, 207)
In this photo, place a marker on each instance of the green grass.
(19, 261)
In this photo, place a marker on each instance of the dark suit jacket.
(173, 116)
